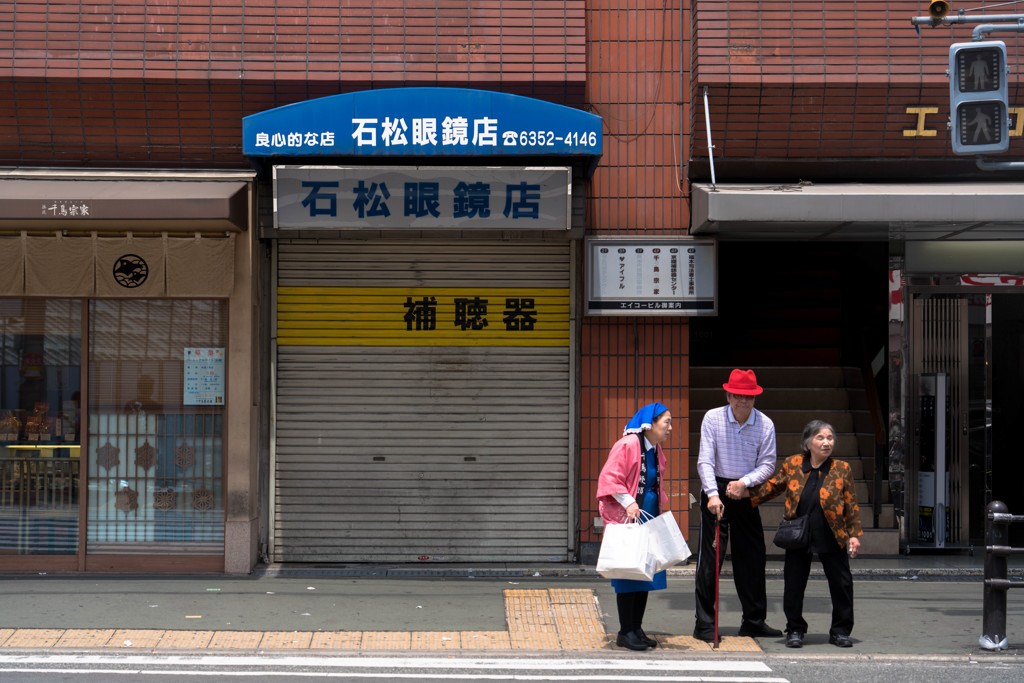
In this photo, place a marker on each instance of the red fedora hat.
(742, 382)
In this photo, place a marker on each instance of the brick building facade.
(802, 99)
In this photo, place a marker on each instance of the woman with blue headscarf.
(631, 481)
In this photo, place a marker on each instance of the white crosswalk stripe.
(398, 668)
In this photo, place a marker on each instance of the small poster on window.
(204, 376)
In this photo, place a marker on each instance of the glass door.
(951, 397)
(40, 431)
(156, 426)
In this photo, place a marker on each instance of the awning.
(859, 211)
(126, 204)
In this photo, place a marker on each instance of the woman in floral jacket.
(821, 487)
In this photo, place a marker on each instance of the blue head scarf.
(644, 418)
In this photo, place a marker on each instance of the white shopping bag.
(666, 540)
(625, 553)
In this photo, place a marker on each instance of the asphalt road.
(288, 668)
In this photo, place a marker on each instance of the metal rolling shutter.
(397, 452)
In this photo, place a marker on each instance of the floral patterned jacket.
(838, 494)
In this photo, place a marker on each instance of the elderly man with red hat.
(737, 451)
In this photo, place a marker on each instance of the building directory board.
(669, 276)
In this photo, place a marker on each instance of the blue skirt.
(631, 586)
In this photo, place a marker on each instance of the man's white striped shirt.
(733, 451)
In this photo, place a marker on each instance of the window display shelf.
(43, 450)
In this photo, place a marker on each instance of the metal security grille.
(390, 447)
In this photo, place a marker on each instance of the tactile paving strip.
(34, 637)
(337, 640)
(138, 638)
(485, 640)
(85, 637)
(554, 619)
(435, 640)
(727, 644)
(279, 640)
(235, 639)
(538, 619)
(386, 640)
(185, 640)
(594, 640)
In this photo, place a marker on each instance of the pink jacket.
(621, 474)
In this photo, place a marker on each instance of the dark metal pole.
(997, 533)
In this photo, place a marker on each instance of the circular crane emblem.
(130, 271)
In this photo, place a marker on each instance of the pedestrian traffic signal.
(978, 97)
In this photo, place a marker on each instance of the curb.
(966, 658)
(588, 572)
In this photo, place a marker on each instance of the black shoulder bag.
(793, 534)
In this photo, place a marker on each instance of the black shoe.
(839, 640)
(644, 638)
(631, 641)
(749, 628)
(706, 636)
(794, 639)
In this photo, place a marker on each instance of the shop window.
(156, 423)
(40, 436)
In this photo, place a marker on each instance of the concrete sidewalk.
(904, 607)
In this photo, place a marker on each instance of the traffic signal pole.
(986, 165)
(979, 93)
(982, 30)
(962, 18)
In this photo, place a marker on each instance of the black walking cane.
(718, 549)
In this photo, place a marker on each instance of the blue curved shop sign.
(422, 122)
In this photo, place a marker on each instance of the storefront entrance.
(40, 436)
(423, 404)
(116, 428)
(108, 452)
(965, 375)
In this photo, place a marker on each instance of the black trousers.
(840, 585)
(631, 610)
(741, 523)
